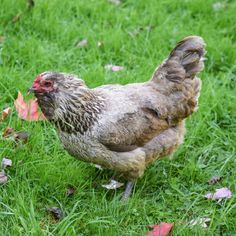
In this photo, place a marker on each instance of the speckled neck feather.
(77, 112)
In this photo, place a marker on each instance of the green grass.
(44, 38)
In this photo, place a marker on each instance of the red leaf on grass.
(28, 111)
(163, 229)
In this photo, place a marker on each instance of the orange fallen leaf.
(163, 229)
(28, 111)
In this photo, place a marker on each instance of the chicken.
(125, 127)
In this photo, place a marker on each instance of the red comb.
(38, 78)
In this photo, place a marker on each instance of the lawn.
(138, 35)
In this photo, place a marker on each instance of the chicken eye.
(47, 83)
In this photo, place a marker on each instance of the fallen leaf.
(82, 43)
(16, 136)
(21, 135)
(113, 184)
(55, 212)
(28, 111)
(7, 131)
(115, 2)
(5, 113)
(3, 177)
(219, 194)
(214, 180)
(163, 229)
(200, 221)
(113, 68)
(70, 191)
(6, 163)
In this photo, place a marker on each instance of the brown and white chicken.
(125, 127)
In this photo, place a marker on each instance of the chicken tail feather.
(184, 61)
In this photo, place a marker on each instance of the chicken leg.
(128, 190)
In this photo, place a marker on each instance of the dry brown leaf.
(16, 136)
(21, 135)
(214, 180)
(55, 212)
(70, 191)
(7, 132)
(5, 113)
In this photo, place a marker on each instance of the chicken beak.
(30, 90)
